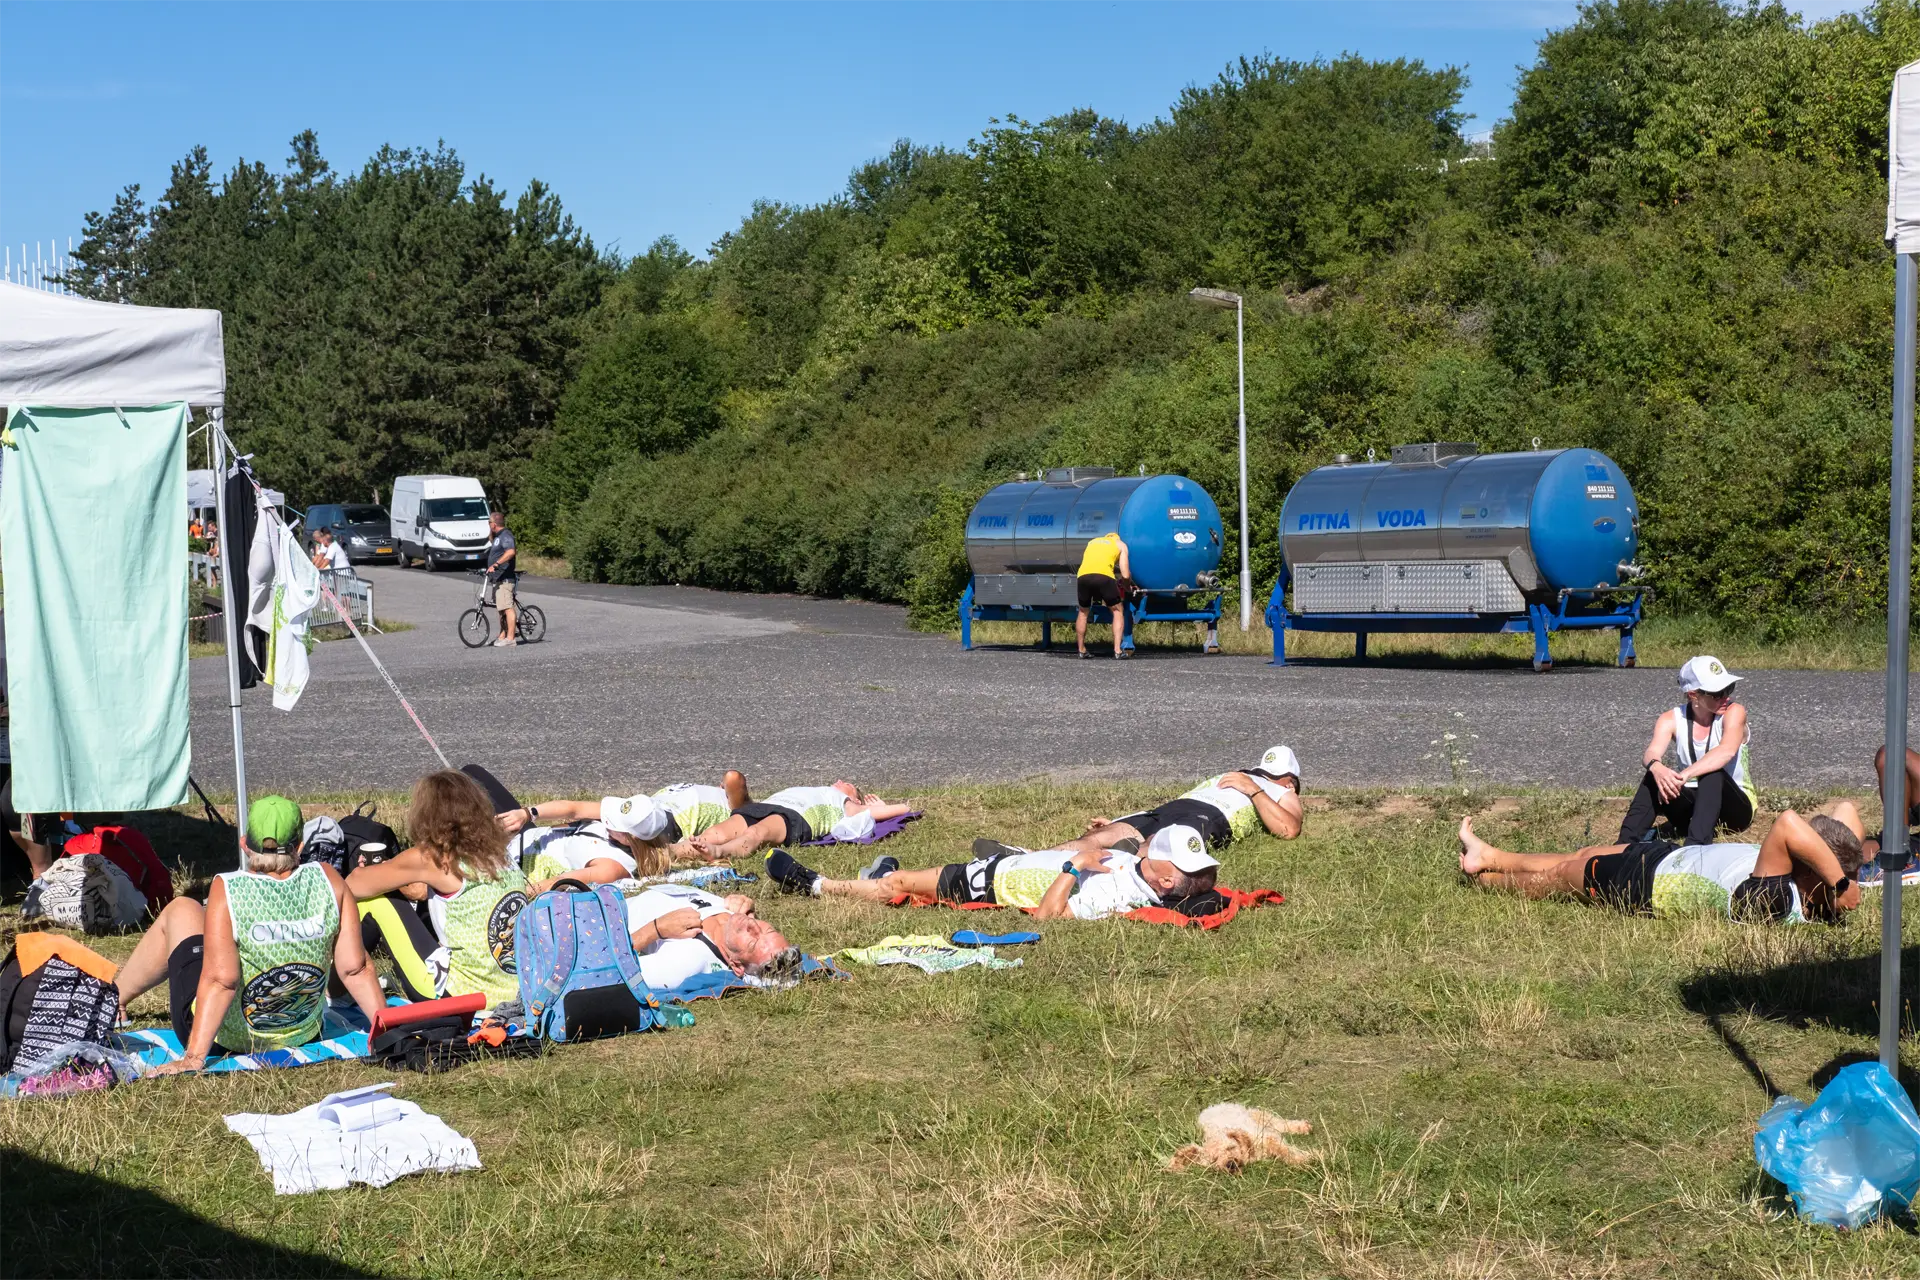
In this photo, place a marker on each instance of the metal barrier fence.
(356, 593)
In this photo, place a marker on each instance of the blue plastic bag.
(1850, 1156)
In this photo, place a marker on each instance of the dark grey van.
(361, 527)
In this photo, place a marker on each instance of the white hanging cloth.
(284, 589)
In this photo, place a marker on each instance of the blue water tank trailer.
(1025, 540)
(1446, 538)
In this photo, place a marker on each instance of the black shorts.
(1198, 814)
(1097, 588)
(968, 881)
(798, 832)
(183, 983)
(1764, 898)
(1625, 879)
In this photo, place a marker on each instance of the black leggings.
(503, 801)
(1700, 810)
(399, 926)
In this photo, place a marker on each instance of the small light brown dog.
(1233, 1137)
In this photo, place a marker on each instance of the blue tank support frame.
(1576, 610)
(1148, 607)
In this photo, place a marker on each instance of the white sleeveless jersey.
(1690, 751)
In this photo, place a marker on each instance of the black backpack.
(56, 1003)
(361, 828)
(441, 1044)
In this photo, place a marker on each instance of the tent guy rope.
(345, 616)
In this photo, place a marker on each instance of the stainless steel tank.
(1025, 539)
(1442, 528)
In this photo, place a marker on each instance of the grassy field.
(1658, 642)
(1497, 1088)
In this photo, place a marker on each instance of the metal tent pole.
(1246, 574)
(1893, 821)
(230, 606)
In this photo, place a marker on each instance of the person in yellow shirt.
(1102, 567)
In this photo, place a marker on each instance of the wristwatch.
(1068, 869)
(1840, 889)
(533, 813)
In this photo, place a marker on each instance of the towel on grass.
(881, 830)
(360, 1135)
(343, 1034)
(714, 879)
(711, 986)
(927, 952)
(1207, 916)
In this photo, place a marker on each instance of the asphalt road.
(640, 686)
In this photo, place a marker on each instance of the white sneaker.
(504, 643)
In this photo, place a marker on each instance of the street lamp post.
(1222, 299)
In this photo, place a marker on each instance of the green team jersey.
(477, 926)
(694, 807)
(285, 930)
(822, 807)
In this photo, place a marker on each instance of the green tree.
(651, 386)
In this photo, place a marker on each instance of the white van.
(439, 519)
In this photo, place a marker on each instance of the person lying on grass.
(1803, 870)
(1223, 809)
(681, 932)
(798, 815)
(688, 809)
(248, 971)
(621, 836)
(1088, 884)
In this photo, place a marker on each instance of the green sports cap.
(275, 821)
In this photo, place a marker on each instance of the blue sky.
(648, 119)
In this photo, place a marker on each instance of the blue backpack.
(579, 975)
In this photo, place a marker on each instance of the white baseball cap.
(1280, 761)
(1707, 673)
(637, 816)
(1183, 847)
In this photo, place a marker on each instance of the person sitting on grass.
(1090, 884)
(798, 815)
(682, 932)
(248, 971)
(1874, 843)
(686, 809)
(1804, 869)
(1713, 787)
(475, 893)
(1223, 809)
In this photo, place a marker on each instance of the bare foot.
(1473, 850)
(735, 785)
(1096, 824)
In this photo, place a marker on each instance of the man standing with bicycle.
(501, 572)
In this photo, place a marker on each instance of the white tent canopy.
(58, 351)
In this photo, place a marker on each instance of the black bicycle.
(478, 627)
